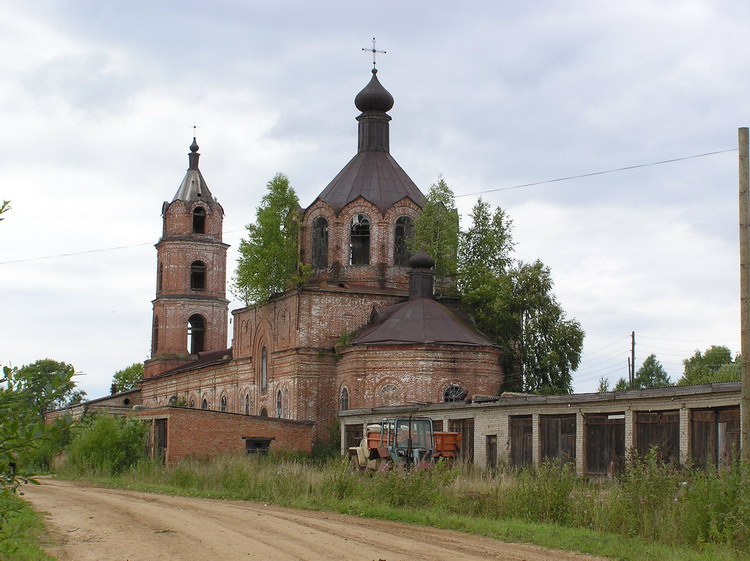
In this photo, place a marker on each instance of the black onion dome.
(194, 146)
(421, 260)
(374, 97)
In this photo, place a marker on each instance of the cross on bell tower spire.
(374, 51)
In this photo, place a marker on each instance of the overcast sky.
(98, 101)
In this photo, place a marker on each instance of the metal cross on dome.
(374, 51)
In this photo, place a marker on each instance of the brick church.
(364, 332)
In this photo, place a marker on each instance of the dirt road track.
(97, 524)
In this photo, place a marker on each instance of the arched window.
(196, 334)
(198, 275)
(359, 240)
(160, 278)
(155, 336)
(279, 405)
(263, 412)
(404, 232)
(204, 403)
(344, 401)
(224, 403)
(247, 404)
(172, 400)
(454, 393)
(263, 369)
(192, 402)
(390, 395)
(199, 220)
(320, 243)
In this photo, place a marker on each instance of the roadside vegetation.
(21, 533)
(652, 511)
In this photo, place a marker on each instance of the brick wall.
(194, 432)
(382, 271)
(420, 373)
(493, 418)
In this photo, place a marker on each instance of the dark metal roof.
(193, 186)
(420, 321)
(375, 176)
(372, 174)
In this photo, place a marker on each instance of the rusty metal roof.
(374, 176)
(193, 186)
(420, 321)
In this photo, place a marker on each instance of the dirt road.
(96, 524)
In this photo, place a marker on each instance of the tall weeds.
(649, 500)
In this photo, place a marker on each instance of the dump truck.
(403, 441)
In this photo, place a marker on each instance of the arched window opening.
(263, 412)
(454, 393)
(320, 243)
(204, 403)
(160, 278)
(199, 220)
(196, 334)
(344, 402)
(263, 369)
(390, 395)
(173, 400)
(198, 275)
(224, 403)
(404, 232)
(247, 404)
(279, 405)
(155, 337)
(192, 402)
(359, 240)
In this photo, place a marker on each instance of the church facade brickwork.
(300, 355)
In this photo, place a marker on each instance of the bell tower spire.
(190, 311)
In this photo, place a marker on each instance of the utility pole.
(632, 360)
(744, 294)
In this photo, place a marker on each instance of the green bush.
(107, 445)
(717, 506)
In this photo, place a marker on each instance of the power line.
(75, 253)
(594, 173)
(72, 254)
(559, 179)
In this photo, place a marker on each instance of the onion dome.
(374, 97)
(372, 173)
(421, 260)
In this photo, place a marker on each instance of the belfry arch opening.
(199, 220)
(359, 240)
(196, 334)
(320, 243)
(403, 233)
(198, 276)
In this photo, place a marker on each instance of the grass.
(651, 513)
(21, 532)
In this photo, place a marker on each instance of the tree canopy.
(436, 232)
(39, 384)
(25, 393)
(716, 364)
(513, 303)
(651, 374)
(128, 378)
(268, 256)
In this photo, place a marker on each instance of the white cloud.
(98, 101)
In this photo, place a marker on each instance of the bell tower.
(190, 311)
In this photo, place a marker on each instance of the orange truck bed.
(447, 444)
